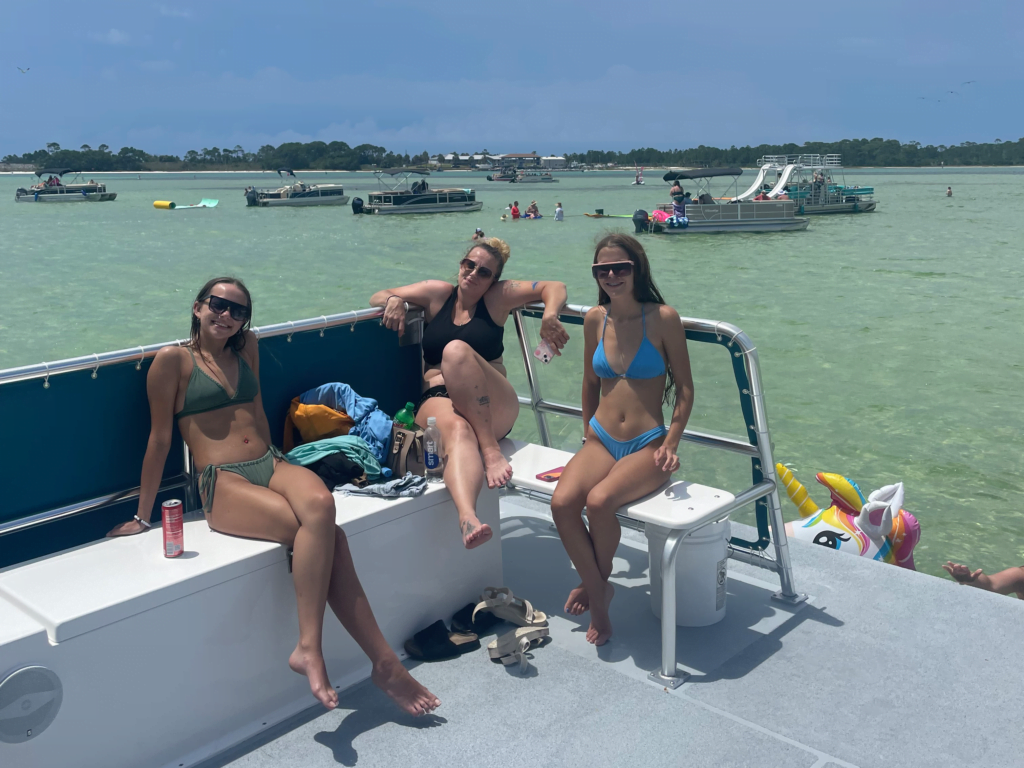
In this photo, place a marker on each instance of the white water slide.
(779, 188)
(757, 183)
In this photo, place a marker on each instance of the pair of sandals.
(497, 604)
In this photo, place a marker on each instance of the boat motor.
(357, 205)
(641, 221)
(250, 196)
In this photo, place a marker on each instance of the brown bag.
(406, 451)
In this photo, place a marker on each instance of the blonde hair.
(497, 248)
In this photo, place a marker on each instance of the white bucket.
(701, 568)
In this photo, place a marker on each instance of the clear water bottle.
(433, 451)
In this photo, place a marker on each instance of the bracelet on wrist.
(145, 523)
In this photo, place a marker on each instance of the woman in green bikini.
(248, 488)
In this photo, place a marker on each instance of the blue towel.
(372, 424)
(408, 486)
(354, 447)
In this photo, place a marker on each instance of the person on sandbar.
(249, 489)
(635, 361)
(465, 385)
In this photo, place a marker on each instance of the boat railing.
(111, 420)
(763, 490)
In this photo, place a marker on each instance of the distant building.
(522, 160)
(552, 161)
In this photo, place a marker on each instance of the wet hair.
(644, 289)
(497, 248)
(237, 341)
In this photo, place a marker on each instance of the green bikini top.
(204, 393)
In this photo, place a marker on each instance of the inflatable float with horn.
(875, 527)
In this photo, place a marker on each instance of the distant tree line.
(875, 152)
(337, 155)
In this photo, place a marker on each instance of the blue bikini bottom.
(620, 449)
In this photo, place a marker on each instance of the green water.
(888, 342)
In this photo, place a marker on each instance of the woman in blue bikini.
(635, 358)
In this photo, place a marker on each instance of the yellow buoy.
(166, 204)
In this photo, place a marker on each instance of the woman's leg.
(584, 471)
(486, 400)
(349, 603)
(631, 478)
(464, 470)
(295, 512)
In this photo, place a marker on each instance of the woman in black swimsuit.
(465, 385)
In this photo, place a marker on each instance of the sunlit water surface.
(889, 342)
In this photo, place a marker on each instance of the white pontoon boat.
(396, 195)
(54, 190)
(816, 183)
(299, 193)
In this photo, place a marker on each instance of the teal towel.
(354, 447)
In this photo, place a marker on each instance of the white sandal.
(502, 603)
(511, 647)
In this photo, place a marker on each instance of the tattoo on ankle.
(485, 400)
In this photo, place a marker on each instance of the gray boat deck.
(881, 667)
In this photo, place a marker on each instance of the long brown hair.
(644, 289)
(237, 341)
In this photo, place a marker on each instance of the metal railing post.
(669, 676)
(788, 592)
(535, 398)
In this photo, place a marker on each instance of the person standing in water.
(949, 191)
(559, 213)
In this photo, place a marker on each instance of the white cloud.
(163, 65)
(113, 37)
(174, 13)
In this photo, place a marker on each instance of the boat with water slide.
(299, 193)
(54, 190)
(816, 183)
(708, 214)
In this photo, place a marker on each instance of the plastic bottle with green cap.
(407, 416)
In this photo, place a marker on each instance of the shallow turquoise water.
(889, 342)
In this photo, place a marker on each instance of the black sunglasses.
(469, 265)
(606, 269)
(219, 306)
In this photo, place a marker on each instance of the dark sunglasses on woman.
(469, 265)
(219, 306)
(617, 268)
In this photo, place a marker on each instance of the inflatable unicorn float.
(875, 527)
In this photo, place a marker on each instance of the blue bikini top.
(646, 364)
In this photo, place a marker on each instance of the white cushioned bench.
(680, 506)
(182, 658)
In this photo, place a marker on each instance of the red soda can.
(174, 528)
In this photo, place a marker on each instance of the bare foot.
(578, 602)
(496, 467)
(311, 664)
(600, 624)
(394, 679)
(475, 533)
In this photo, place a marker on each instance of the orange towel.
(314, 422)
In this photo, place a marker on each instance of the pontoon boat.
(397, 196)
(54, 190)
(297, 193)
(710, 214)
(534, 177)
(817, 183)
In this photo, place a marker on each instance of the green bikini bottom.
(258, 472)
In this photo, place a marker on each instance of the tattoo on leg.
(485, 400)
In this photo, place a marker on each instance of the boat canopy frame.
(399, 176)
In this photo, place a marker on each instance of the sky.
(550, 77)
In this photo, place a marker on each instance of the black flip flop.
(436, 643)
(463, 621)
